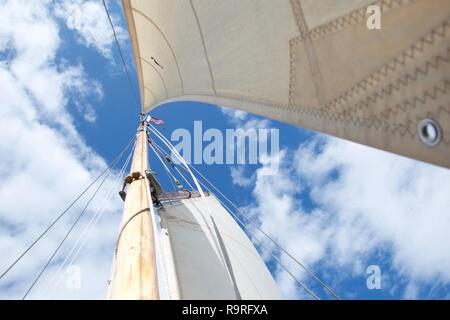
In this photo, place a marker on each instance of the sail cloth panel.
(313, 63)
(208, 256)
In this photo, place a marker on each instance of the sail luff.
(135, 274)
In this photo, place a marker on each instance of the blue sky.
(338, 206)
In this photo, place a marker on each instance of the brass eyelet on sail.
(430, 132)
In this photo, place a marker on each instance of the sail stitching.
(431, 93)
(383, 125)
(310, 54)
(159, 74)
(355, 17)
(151, 92)
(167, 43)
(205, 51)
(292, 80)
(399, 61)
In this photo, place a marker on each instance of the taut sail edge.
(309, 120)
(314, 63)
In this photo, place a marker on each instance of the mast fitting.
(136, 175)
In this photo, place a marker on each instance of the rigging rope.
(271, 239)
(326, 287)
(121, 54)
(66, 236)
(113, 163)
(99, 215)
(303, 285)
(269, 251)
(184, 178)
(180, 158)
(172, 178)
(194, 179)
(166, 156)
(168, 144)
(86, 232)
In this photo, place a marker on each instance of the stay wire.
(85, 234)
(113, 163)
(271, 239)
(66, 236)
(121, 54)
(244, 226)
(166, 155)
(163, 154)
(260, 242)
(172, 178)
(326, 287)
(98, 216)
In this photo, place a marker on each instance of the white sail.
(207, 255)
(313, 63)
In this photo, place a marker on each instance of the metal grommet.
(430, 132)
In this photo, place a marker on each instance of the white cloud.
(366, 200)
(378, 200)
(244, 120)
(85, 91)
(234, 115)
(247, 122)
(238, 176)
(44, 162)
(90, 22)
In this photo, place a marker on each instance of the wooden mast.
(135, 264)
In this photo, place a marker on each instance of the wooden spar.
(135, 264)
